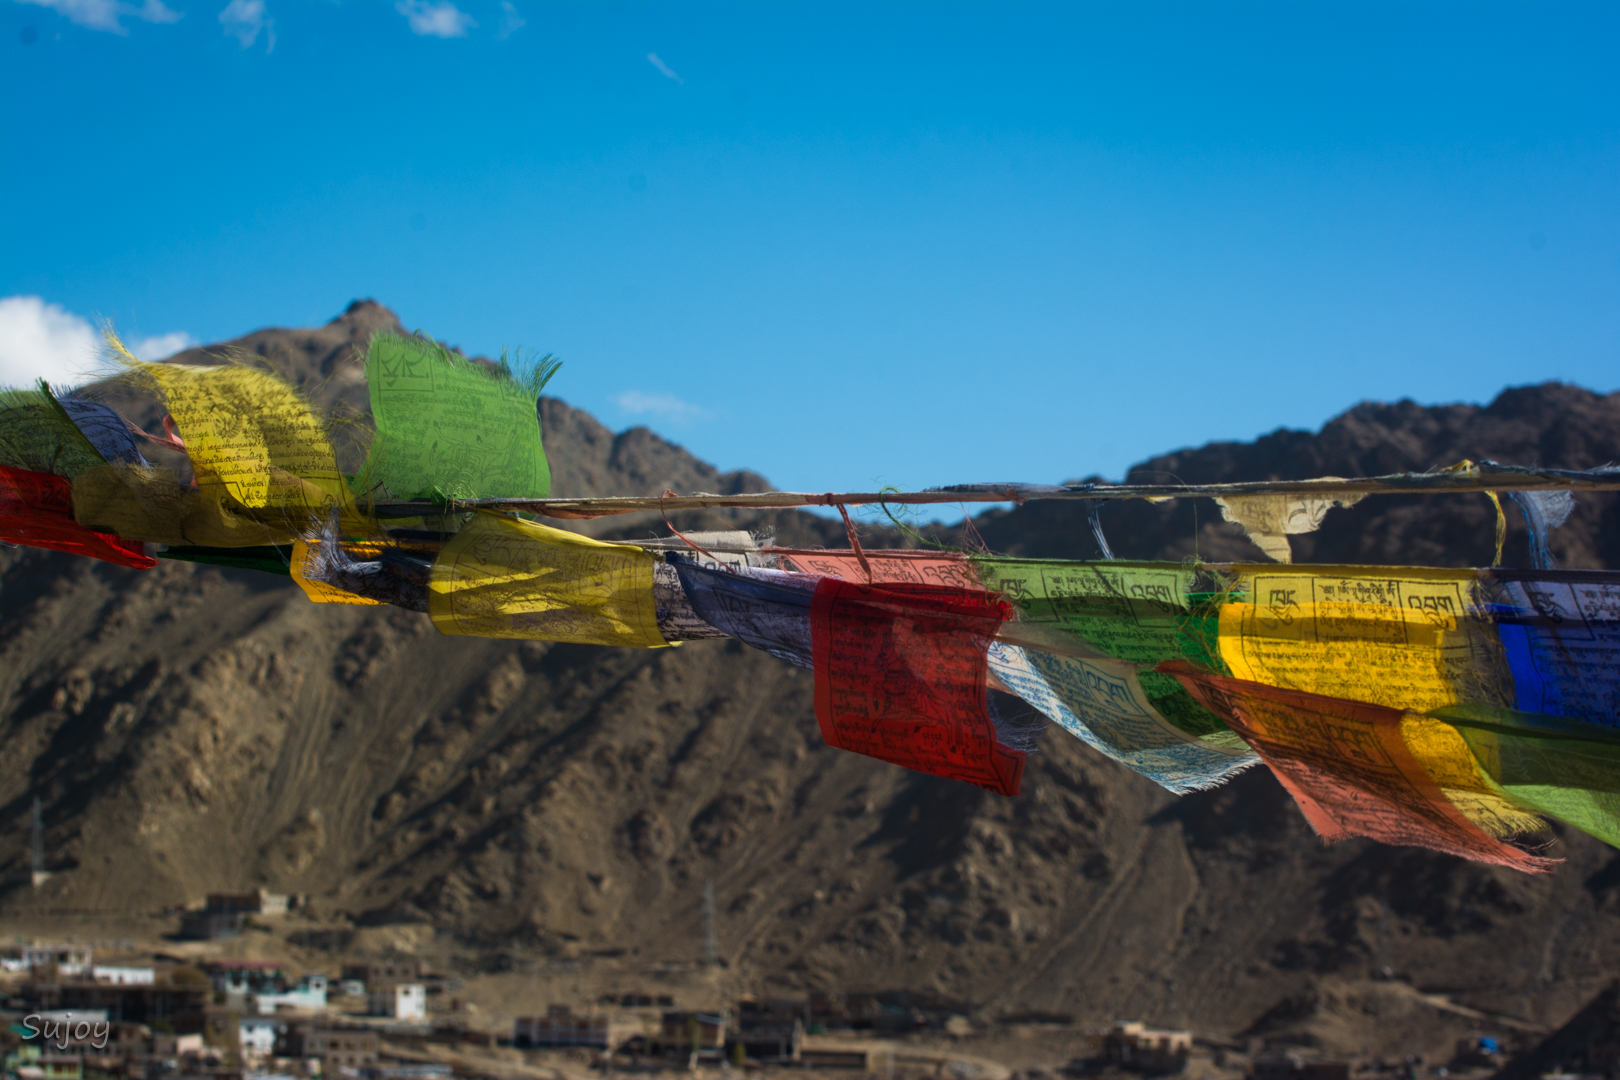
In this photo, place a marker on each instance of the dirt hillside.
(191, 729)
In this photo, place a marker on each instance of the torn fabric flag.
(1102, 703)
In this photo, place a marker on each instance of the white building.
(404, 1001)
(257, 1036)
(124, 976)
(310, 993)
(69, 959)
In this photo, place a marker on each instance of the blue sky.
(843, 244)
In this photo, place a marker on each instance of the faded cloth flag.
(1102, 703)
(248, 433)
(36, 509)
(901, 677)
(766, 609)
(888, 567)
(1348, 767)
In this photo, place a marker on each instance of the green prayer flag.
(1563, 768)
(269, 559)
(37, 434)
(1144, 612)
(449, 428)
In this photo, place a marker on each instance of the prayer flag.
(1403, 637)
(1349, 769)
(36, 509)
(447, 427)
(1101, 702)
(504, 577)
(900, 676)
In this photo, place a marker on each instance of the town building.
(1130, 1044)
(179, 1007)
(402, 1001)
(67, 961)
(124, 976)
(384, 974)
(267, 904)
(694, 1030)
(771, 1030)
(336, 1048)
(308, 995)
(560, 1027)
(257, 1036)
(210, 925)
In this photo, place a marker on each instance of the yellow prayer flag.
(503, 577)
(1446, 757)
(320, 592)
(251, 432)
(1401, 637)
(149, 503)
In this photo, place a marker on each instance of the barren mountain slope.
(192, 728)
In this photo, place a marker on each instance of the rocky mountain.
(193, 728)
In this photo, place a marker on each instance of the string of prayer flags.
(1448, 709)
(447, 428)
(901, 677)
(36, 510)
(1348, 767)
(504, 577)
(1102, 703)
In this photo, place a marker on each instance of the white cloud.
(243, 19)
(652, 58)
(44, 341)
(108, 14)
(511, 21)
(663, 406)
(441, 19)
(163, 346)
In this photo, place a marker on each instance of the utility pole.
(40, 875)
(710, 950)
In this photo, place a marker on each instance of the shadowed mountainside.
(193, 728)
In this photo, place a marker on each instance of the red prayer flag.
(888, 567)
(36, 509)
(1347, 766)
(900, 676)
